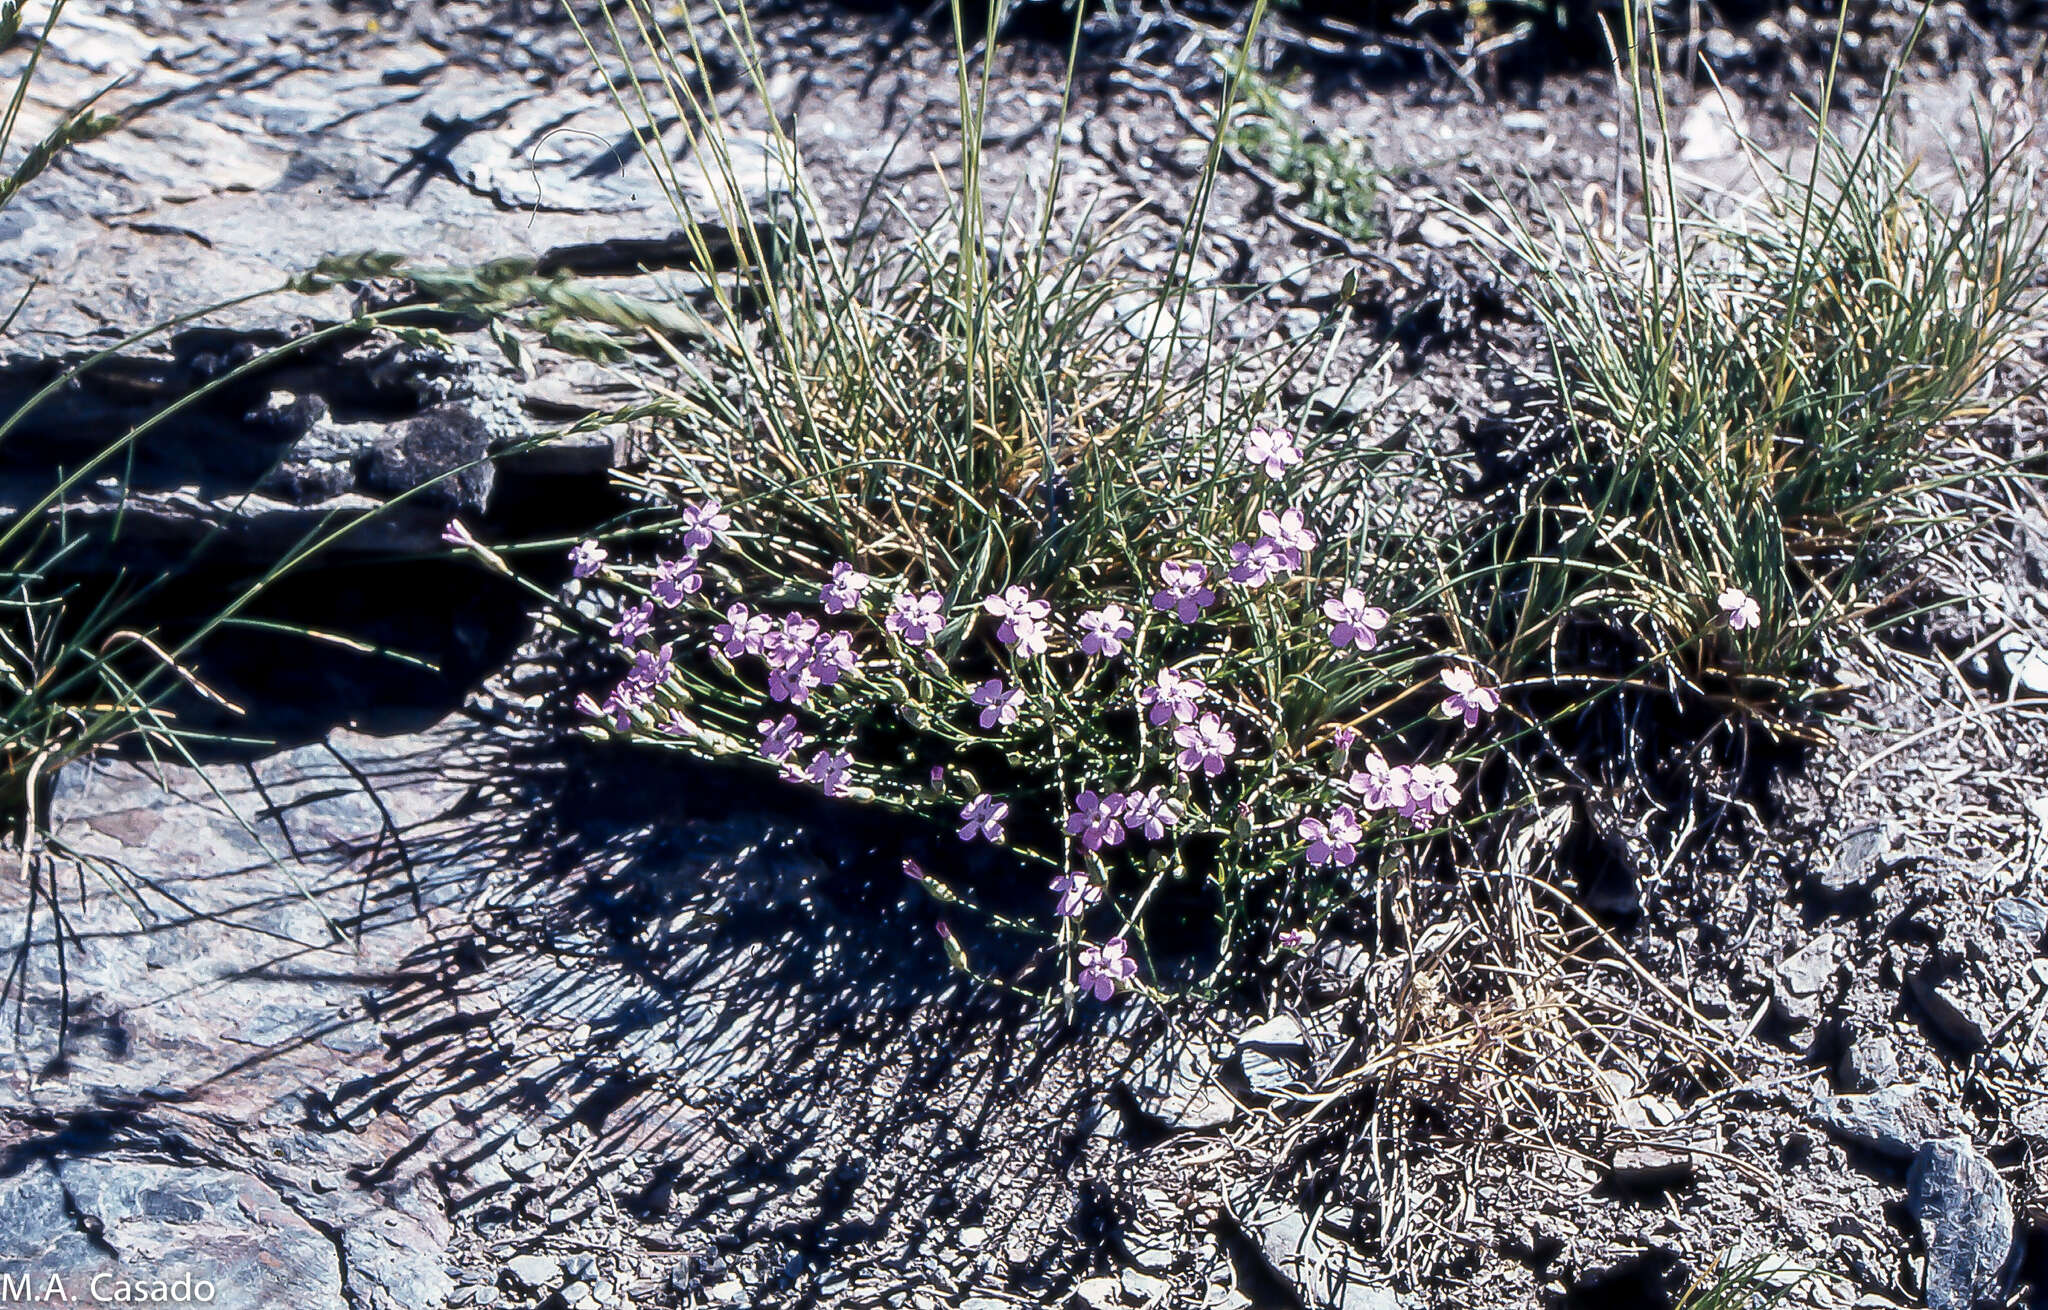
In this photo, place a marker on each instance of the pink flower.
(1740, 609)
(617, 706)
(793, 682)
(1295, 939)
(1106, 966)
(587, 558)
(633, 624)
(1333, 840)
(842, 593)
(1254, 564)
(833, 657)
(983, 817)
(1272, 449)
(828, 769)
(1183, 593)
(779, 738)
(675, 579)
(912, 869)
(1468, 699)
(999, 702)
(1105, 631)
(742, 632)
(1432, 793)
(701, 521)
(1352, 621)
(455, 534)
(1151, 812)
(1204, 745)
(1023, 620)
(1381, 786)
(1095, 818)
(650, 667)
(1076, 893)
(1289, 533)
(1172, 696)
(916, 618)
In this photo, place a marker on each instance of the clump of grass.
(1330, 171)
(1759, 395)
(959, 522)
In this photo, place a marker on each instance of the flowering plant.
(1147, 713)
(988, 533)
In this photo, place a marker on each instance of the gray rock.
(1175, 1084)
(2025, 661)
(1894, 1121)
(77, 1219)
(1274, 1055)
(535, 1273)
(1651, 1168)
(1869, 1063)
(394, 1262)
(1324, 1272)
(1966, 1222)
(2025, 919)
(443, 456)
(1435, 233)
(1856, 860)
(1806, 971)
(1954, 1014)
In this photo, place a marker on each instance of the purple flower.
(912, 869)
(742, 632)
(779, 738)
(1343, 739)
(916, 618)
(675, 579)
(1182, 592)
(842, 593)
(1379, 785)
(998, 702)
(1151, 812)
(1105, 631)
(587, 558)
(1289, 533)
(1295, 939)
(634, 624)
(1352, 621)
(799, 663)
(828, 769)
(1023, 619)
(1333, 840)
(702, 521)
(1468, 699)
(983, 817)
(650, 667)
(1076, 892)
(1204, 745)
(1432, 792)
(1172, 696)
(1740, 609)
(1272, 449)
(618, 705)
(1104, 967)
(1254, 564)
(793, 682)
(455, 534)
(832, 657)
(1096, 819)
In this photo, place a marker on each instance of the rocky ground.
(436, 1004)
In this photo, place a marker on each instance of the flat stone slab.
(112, 1231)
